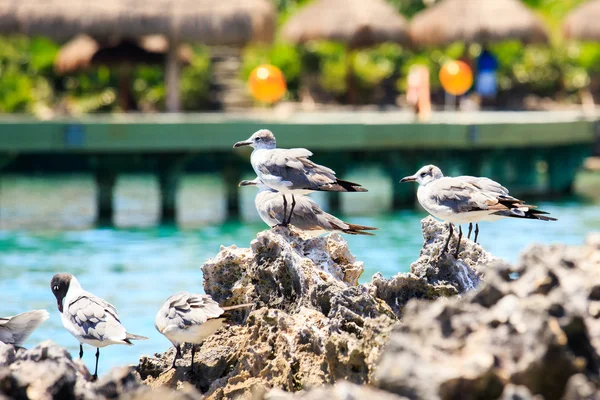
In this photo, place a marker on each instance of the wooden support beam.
(168, 182)
(105, 184)
(232, 177)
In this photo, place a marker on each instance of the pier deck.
(527, 151)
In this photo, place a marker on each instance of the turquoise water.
(136, 269)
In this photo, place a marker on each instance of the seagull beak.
(242, 143)
(245, 183)
(60, 306)
(408, 179)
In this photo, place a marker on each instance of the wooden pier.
(530, 152)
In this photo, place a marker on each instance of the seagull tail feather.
(358, 230)
(526, 213)
(130, 336)
(345, 186)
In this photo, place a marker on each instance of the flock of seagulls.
(284, 178)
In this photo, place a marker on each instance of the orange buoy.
(267, 83)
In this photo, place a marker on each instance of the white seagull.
(16, 329)
(307, 215)
(468, 199)
(191, 318)
(89, 318)
(289, 171)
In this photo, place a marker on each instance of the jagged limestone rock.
(312, 323)
(533, 326)
(433, 276)
(47, 372)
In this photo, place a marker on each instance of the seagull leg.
(470, 229)
(291, 210)
(284, 222)
(177, 354)
(193, 353)
(80, 351)
(458, 244)
(476, 232)
(95, 376)
(445, 250)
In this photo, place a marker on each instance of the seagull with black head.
(90, 319)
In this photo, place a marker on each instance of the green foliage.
(28, 82)
(24, 66)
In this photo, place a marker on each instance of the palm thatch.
(83, 52)
(222, 22)
(358, 23)
(583, 22)
(476, 21)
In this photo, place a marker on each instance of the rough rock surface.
(432, 275)
(529, 330)
(47, 371)
(312, 323)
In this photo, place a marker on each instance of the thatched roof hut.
(583, 22)
(222, 22)
(83, 52)
(476, 21)
(358, 23)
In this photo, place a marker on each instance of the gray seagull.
(290, 172)
(89, 318)
(191, 318)
(307, 215)
(16, 329)
(468, 199)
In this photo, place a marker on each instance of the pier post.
(232, 177)
(170, 168)
(402, 165)
(105, 184)
(168, 182)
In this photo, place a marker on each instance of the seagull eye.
(258, 139)
(423, 174)
(55, 288)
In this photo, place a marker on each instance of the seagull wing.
(183, 310)
(462, 194)
(15, 330)
(309, 216)
(294, 168)
(94, 318)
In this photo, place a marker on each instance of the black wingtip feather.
(350, 186)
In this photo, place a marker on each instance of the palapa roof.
(358, 23)
(583, 23)
(220, 22)
(476, 21)
(83, 51)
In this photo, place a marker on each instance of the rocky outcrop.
(312, 323)
(434, 275)
(529, 330)
(47, 371)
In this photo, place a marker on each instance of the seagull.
(289, 171)
(468, 199)
(307, 215)
(16, 329)
(89, 318)
(191, 318)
